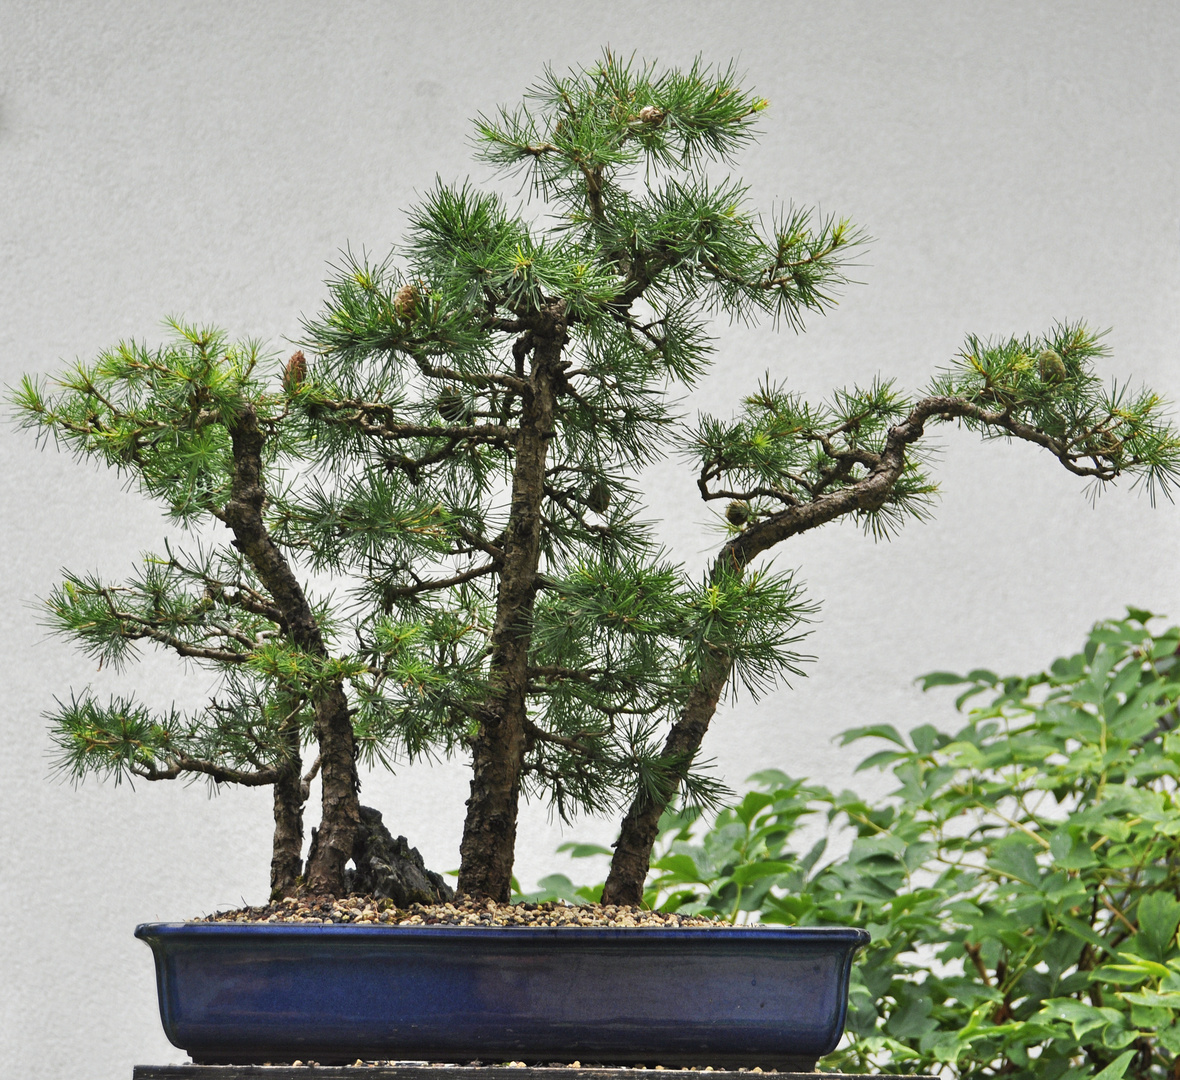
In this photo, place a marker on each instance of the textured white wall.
(1015, 163)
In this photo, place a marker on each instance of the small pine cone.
(1050, 366)
(295, 372)
(452, 408)
(405, 302)
(598, 497)
(737, 513)
(649, 114)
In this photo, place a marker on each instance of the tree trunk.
(286, 861)
(341, 805)
(341, 812)
(632, 857)
(489, 831)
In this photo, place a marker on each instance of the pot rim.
(848, 935)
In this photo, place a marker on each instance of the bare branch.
(361, 413)
(569, 742)
(553, 671)
(493, 548)
(433, 371)
(179, 763)
(438, 583)
(759, 492)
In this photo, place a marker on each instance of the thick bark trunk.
(341, 806)
(489, 831)
(340, 815)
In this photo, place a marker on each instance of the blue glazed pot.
(233, 993)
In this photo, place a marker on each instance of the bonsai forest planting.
(454, 440)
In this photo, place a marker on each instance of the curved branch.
(181, 763)
(245, 598)
(438, 583)
(494, 548)
(637, 835)
(746, 496)
(434, 371)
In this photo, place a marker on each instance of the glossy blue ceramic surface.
(242, 993)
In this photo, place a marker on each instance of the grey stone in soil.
(389, 867)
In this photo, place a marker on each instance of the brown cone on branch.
(295, 372)
(405, 302)
(737, 513)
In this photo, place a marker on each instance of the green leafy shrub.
(1020, 884)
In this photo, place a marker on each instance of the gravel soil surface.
(374, 911)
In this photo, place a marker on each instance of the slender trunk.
(290, 793)
(637, 835)
(286, 861)
(341, 806)
(489, 831)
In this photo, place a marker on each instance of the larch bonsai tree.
(457, 442)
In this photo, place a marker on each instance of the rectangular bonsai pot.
(235, 993)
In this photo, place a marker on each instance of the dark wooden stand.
(453, 1072)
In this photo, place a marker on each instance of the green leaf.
(1016, 857)
(1158, 916)
(583, 851)
(1169, 1000)
(1070, 853)
(940, 678)
(1081, 1017)
(1116, 1069)
(1132, 962)
(1169, 1037)
(743, 875)
(982, 675)
(924, 737)
(1119, 975)
(880, 759)
(679, 868)
(753, 802)
(913, 1018)
(874, 731)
